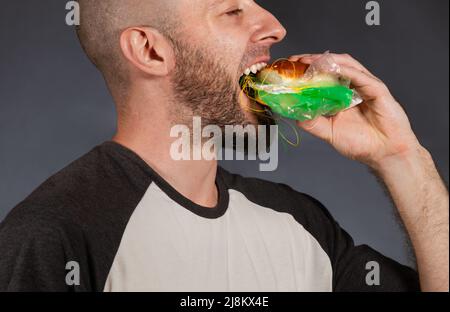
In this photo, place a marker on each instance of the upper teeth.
(255, 68)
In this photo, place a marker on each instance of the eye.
(235, 12)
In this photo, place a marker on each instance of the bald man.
(128, 217)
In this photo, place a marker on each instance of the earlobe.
(147, 51)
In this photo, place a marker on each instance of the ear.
(147, 50)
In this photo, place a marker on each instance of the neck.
(147, 133)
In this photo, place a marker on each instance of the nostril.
(271, 39)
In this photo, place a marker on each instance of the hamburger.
(299, 91)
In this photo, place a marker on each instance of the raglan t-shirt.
(108, 222)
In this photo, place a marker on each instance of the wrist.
(414, 157)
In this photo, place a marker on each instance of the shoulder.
(78, 214)
(95, 189)
(61, 194)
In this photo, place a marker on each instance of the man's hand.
(379, 134)
(376, 129)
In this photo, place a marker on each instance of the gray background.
(54, 106)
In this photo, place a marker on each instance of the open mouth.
(248, 75)
(254, 69)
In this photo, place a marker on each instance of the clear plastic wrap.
(320, 91)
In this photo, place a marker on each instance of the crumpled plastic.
(322, 91)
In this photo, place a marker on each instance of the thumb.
(320, 127)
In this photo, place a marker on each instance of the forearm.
(423, 203)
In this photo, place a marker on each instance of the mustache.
(251, 54)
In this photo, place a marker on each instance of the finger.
(343, 59)
(348, 60)
(295, 58)
(367, 86)
(319, 127)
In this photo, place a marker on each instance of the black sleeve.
(31, 256)
(355, 268)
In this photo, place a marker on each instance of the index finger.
(366, 85)
(342, 59)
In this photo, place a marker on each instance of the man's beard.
(203, 88)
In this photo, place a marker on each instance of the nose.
(267, 29)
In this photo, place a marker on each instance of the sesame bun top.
(289, 69)
(282, 71)
(294, 74)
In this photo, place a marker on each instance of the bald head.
(103, 21)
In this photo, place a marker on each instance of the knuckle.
(383, 88)
(347, 56)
